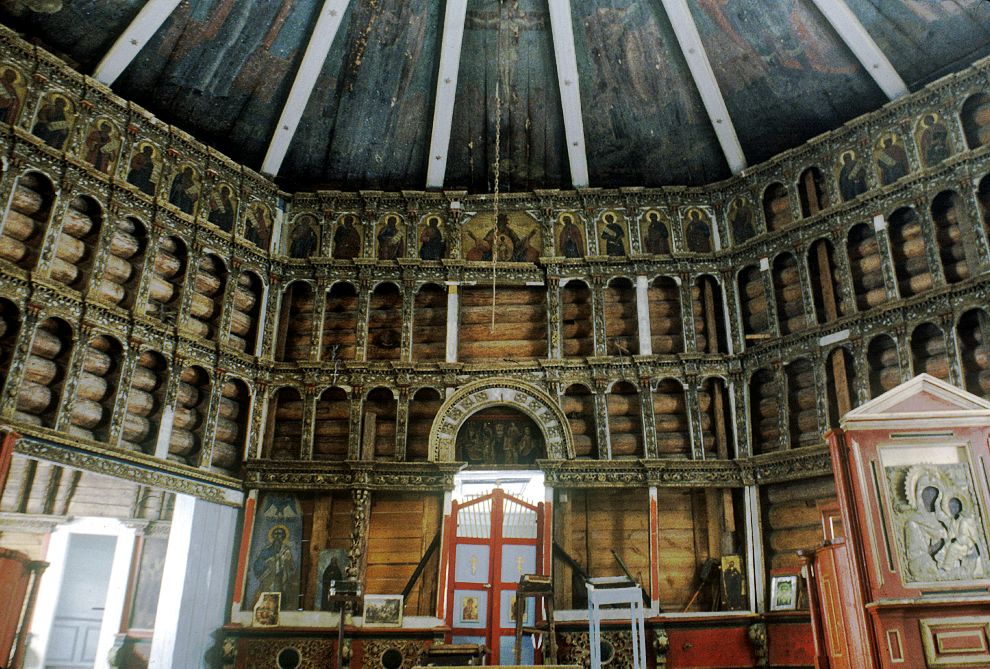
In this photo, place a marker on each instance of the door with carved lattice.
(492, 541)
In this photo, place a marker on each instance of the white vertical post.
(570, 94)
(132, 40)
(453, 317)
(443, 101)
(643, 315)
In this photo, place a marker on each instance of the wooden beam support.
(570, 93)
(704, 79)
(132, 40)
(853, 33)
(327, 24)
(443, 101)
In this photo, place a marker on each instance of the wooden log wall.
(97, 389)
(928, 352)
(753, 305)
(296, 323)
(625, 423)
(718, 438)
(764, 411)
(245, 313)
(708, 309)
(400, 530)
(791, 520)
(423, 408)
(973, 334)
(577, 332)
(206, 305)
(232, 425)
(811, 188)
(787, 292)
(167, 275)
(672, 424)
(76, 243)
(119, 283)
(145, 403)
(946, 211)
(883, 362)
(841, 383)
(430, 323)
(976, 120)
(385, 323)
(46, 366)
(332, 424)
(189, 420)
(802, 397)
(578, 405)
(10, 326)
(284, 435)
(865, 266)
(26, 219)
(777, 207)
(330, 522)
(340, 323)
(907, 245)
(621, 323)
(684, 519)
(666, 328)
(378, 426)
(520, 327)
(828, 296)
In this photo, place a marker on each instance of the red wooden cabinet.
(18, 589)
(910, 586)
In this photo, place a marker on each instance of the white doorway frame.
(51, 586)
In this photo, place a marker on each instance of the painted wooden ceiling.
(785, 71)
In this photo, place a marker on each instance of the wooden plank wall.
(402, 527)
(791, 520)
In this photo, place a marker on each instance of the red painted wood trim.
(242, 554)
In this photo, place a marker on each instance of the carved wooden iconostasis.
(913, 487)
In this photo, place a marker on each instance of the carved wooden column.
(101, 253)
(601, 419)
(861, 365)
(648, 418)
(804, 281)
(946, 324)
(401, 423)
(320, 291)
(269, 329)
(127, 366)
(140, 307)
(733, 321)
(209, 431)
(904, 358)
(886, 256)
(354, 423)
(598, 315)
(168, 408)
(932, 253)
(364, 301)
(227, 304)
(357, 554)
(688, 325)
(72, 371)
(18, 361)
(259, 413)
(770, 298)
(846, 297)
(408, 316)
(53, 228)
(196, 254)
(309, 398)
(553, 319)
(973, 228)
(693, 409)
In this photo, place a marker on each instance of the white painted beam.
(853, 33)
(570, 93)
(132, 40)
(331, 14)
(704, 78)
(443, 101)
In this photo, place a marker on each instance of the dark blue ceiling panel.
(925, 40)
(785, 74)
(508, 46)
(81, 30)
(643, 116)
(367, 124)
(221, 69)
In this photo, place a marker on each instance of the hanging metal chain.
(498, 157)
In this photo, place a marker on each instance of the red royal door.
(492, 541)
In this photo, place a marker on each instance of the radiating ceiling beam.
(570, 93)
(704, 79)
(331, 14)
(443, 101)
(863, 47)
(132, 40)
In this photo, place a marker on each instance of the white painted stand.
(602, 591)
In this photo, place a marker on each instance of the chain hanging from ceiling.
(498, 154)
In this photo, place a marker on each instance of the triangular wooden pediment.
(923, 396)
